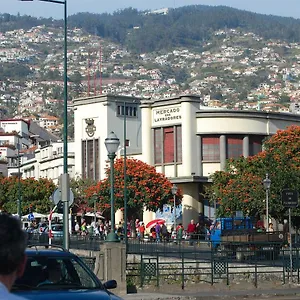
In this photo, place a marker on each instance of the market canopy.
(92, 214)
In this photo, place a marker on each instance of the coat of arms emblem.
(90, 127)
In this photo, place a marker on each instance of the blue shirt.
(6, 295)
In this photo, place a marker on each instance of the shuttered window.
(168, 145)
(210, 148)
(255, 146)
(157, 146)
(90, 159)
(234, 147)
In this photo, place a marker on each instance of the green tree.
(34, 193)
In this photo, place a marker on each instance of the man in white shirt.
(12, 254)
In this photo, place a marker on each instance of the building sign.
(166, 115)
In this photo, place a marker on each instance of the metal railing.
(214, 267)
(86, 242)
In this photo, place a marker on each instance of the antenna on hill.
(100, 69)
(89, 79)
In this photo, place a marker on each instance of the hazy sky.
(290, 8)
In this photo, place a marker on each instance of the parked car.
(59, 274)
(56, 234)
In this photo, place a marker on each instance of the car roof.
(49, 252)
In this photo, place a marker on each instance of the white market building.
(177, 135)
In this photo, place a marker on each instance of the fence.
(76, 241)
(193, 261)
(183, 264)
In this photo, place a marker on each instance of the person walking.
(157, 232)
(12, 254)
(191, 230)
(179, 232)
(142, 231)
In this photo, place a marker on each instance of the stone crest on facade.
(90, 127)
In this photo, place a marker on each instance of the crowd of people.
(159, 232)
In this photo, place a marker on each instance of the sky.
(286, 8)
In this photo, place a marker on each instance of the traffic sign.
(56, 197)
(30, 217)
(289, 198)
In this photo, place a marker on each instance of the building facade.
(179, 137)
(94, 118)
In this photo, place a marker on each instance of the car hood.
(68, 294)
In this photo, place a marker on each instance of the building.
(94, 118)
(47, 162)
(185, 142)
(28, 150)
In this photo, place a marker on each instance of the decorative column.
(147, 145)
(188, 123)
(222, 152)
(191, 207)
(147, 142)
(246, 146)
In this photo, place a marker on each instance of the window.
(178, 144)
(90, 159)
(157, 146)
(210, 148)
(167, 145)
(255, 146)
(131, 110)
(234, 147)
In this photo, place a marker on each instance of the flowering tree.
(240, 186)
(34, 193)
(145, 188)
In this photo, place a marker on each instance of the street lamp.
(19, 181)
(174, 192)
(112, 143)
(267, 185)
(65, 176)
(125, 174)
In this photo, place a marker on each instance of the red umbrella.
(154, 222)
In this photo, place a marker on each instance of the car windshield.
(43, 272)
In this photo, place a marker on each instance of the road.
(274, 294)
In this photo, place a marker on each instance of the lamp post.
(19, 181)
(267, 185)
(174, 192)
(65, 176)
(112, 143)
(125, 177)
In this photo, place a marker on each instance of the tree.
(79, 185)
(35, 194)
(240, 186)
(146, 188)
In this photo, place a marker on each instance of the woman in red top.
(142, 231)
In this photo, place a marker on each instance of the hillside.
(230, 66)
(187, 26)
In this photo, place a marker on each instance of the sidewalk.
(218, 294)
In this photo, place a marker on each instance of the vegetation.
(188, 26)
(35, 194)
(240, 188)
(146, 188)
